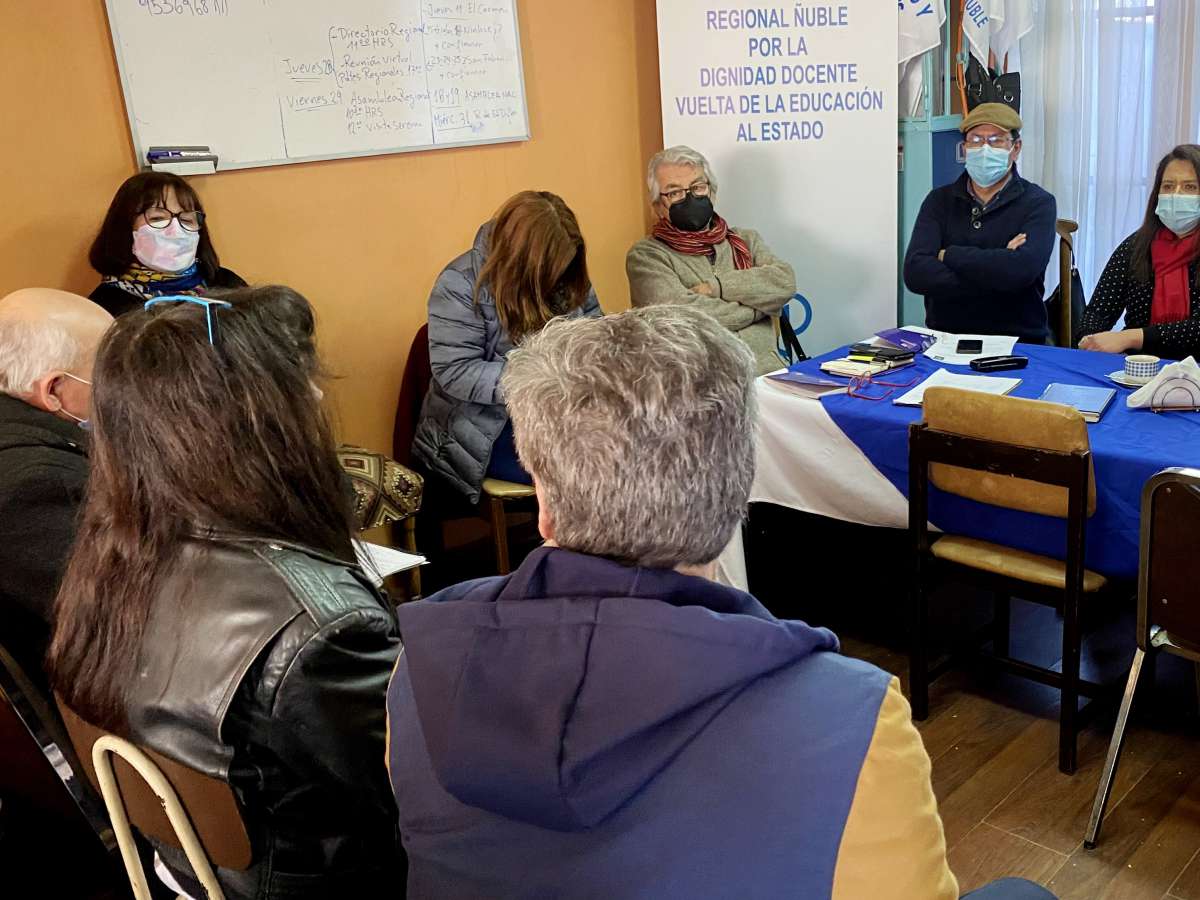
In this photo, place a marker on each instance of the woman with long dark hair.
(155, 241)
(528, 265)
(1153, 277)
(212, 609)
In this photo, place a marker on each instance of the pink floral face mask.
(170, 249)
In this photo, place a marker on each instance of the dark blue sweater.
(980, 286)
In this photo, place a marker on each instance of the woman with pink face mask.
(154, 241)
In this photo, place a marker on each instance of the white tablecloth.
(805, 462)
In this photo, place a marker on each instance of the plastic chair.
(1018, 454)
(498, 495)
(143, 789)
(1168, 617)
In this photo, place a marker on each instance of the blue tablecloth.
(1128, 447)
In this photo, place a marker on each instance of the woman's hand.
(1113, 341)
(1017, 242)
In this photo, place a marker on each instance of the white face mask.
(171, 249)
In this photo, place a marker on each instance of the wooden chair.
(164, 800)
(1064, 328)
(1168, 617)
(1017, 454)
(498, 496)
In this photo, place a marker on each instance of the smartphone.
(969, 346)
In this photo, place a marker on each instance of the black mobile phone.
(999, 363)
(969, 346)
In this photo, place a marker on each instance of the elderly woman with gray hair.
(606, 721)
(693, 256)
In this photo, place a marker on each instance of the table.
(847, 458)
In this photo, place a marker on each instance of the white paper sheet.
(944, 350)
(987, 384)
(376, 559)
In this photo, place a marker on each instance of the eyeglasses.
(189, 219)
(861, 386)
(209, 306)
(699, 189)
(995, 141)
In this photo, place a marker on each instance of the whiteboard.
(267, 82)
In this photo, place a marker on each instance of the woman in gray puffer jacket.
(528, 265)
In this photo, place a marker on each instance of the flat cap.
(998, 114)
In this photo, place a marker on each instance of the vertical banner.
(795, 107)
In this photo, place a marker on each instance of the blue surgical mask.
(1179, 212)
(987, 165)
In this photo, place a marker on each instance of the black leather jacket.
(266, 665)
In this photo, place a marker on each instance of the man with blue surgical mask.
(980, 245)
(48, 342)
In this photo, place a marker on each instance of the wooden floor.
(1008, 811)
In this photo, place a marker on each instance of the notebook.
(988, 384)
(849, 368)
(1090, 401)
(807, 385)
(907, 339)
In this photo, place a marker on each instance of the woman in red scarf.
(695, 257)
(1152, 276)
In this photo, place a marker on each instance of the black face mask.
(691, 213)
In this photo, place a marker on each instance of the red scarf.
(1172, 287)
(702, 243)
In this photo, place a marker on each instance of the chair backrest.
(1170, 566)
(418, 373)
(210, 802)
(1064, 328)
(1029, 424)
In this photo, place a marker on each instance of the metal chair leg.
(500, 534)
(1114, 752)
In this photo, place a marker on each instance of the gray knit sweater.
(743, 301)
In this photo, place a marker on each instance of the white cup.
(1141, 367)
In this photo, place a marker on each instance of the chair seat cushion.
(506, 490)
(1018, 564)
(384, 490)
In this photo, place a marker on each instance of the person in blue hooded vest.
(981, 244)
(607, 722)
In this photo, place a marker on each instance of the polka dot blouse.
(1119, 292)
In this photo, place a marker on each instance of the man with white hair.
(48, 342)
(606, 721)
(694, 256)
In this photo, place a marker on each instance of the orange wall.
(362, 238)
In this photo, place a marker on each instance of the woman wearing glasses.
(694, 257)
(154, 242)
(1153, 277)
(212, 610)
(528, 265)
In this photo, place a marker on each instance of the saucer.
(1127, 381)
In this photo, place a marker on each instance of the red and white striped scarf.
(702, 243)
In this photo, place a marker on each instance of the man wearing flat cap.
(981, 244)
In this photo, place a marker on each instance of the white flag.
(1017, 22)
(982, 18)
(920, 26)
